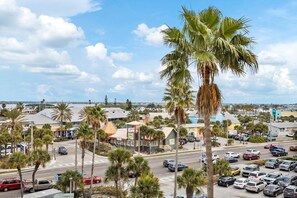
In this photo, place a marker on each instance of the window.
(43, 182)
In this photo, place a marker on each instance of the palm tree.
(20, 106)
(18, 160)
(119, 158)
(73, 176)
(147, 187)
(47, 139)
(133, 115)
(143, 131)
(15, 118)
(191, 180)
(5, 139)
(62, 113)
(222, 167)
(178, 97)
(138, 165)
(38, 157)
(112, 174)
(214, 44)
(16, 137)
(159, 135)
(85, 134)
(38, 143)
(150, 134)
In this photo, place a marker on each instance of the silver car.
(272, 163)
(255, 186)
(287, 165)
(271, 177)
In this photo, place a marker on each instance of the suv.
(290, 192)
(286, 181)
(255, 186)
(167, 162)
(279, 152)
(40, 184)
(250, 156)
(232, 154)
(257, 175)
(271, 177)
(62, 150)
(10, 183)
(287, 165)
(253, 151)
(275, 148)
(248, 169)
(272, 163)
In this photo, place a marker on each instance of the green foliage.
(258, 162)
(200, 121)
(139, 166)
(258, 139)
(295, 135)
(293, 158)
(64, 183)
(222, 167)
(230, 141)
(183, 132)
(244, 119)
(109, 191)
(128, 105)
(215, 144)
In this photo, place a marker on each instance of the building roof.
(109, 128)
(116, 113)
(229, 116)
(167, 131)
(194, 125)
(135, 123)
(163, 114)
(120, 133)
(283, 124)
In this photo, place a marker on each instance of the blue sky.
(65, 50)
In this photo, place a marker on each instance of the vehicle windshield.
(286, 163)
(271, 175)
(239, 181)
(253, 174)
(234, 168)
(270, 187)
(248, 168)
(251, 184)
(285, 179)
(289, 190)
(271, 160)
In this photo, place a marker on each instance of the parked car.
(10, 184)
(272, 163)
(214, 157)
(257, 175)
(167, 162)
(250, 156)
(290, 134)
(276, 148)
(253, 151)
(240, 183)
(271, 177)
(279, 152)
(180, 167)
(287, 165)
(62, 150)
(293, 148)
(255, 186)
(231, 159)
(235, 170)
(286, 181)
(40, 184)
(88, 179)
(273, 190)
(248, 169)
(232, 154)
(290, 192)
(268, 146)
(226, 181)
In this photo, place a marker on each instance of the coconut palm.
(112, 174)
(159, 135)
(38, 143)
(18, 160)
(47, 139)
(62, 113)
(85, 134)
(191, 180)
(222, 167)
(119, 158)
(15, 119)
(177, 98)
(147, 187)
(39, 158)
(74, 176)
(138, 165)
(215, 44)
(16, 137)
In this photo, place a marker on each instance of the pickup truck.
(40, 184)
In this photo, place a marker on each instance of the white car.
(253, 151)
(232, 154)
(257, 175)
(240, 183)
(214, 158)
(255, 186)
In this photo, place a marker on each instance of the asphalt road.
(191, 159)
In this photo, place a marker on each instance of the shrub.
(294, 158)
(230, 141)
(223, 135)
(258, 162)
(258, 139)
(215, 144)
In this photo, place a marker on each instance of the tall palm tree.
(214, 44)
(133, 115)
(47, 139)
(191, 180)
(138, 165)
(62, 113)
(177, 98)
(38, 157)
(119, 158)
(85, 134)
(15, 119)
(16, 137)
(73, 176)
(159, 135)
(18, 160)
(38, 143)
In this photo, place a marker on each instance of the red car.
(250, 156)
(96, 180)
(269, 146)
(10, 184)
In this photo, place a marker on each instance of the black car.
(62, 150)
(226, 181)
(286, 181)
(279, 152)
(231, 159)
(180, 167)
(273, 190)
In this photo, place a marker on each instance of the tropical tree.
(222, 167)
(191, 180)
(143, 131)
(214, 44)
(18, 160)
(62, 113)
(47, 139)
(147, 187)
(38, 143)
(16, 137)
(47, 126)
(85, 134)
(133, 115)
(138, 165)
(183, 132)
(39, 158)
(20, 106)
(15, 119)
(74, 176)
(226, 124)
(112, 174)
(118, 159)
(159, 135)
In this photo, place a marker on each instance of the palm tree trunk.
(119, 182)
(93, 161)
(189, 192)
(176, 156)
(82, 159)
(75, 159)
(209, 156)
(21, 178)
(33, 175)
(46, 147)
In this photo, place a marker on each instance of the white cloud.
(97, 51)
(267, 57)
(118, 88)
(43, 89)
(91, 90)
(123, 73)
(152, 36)
(283, 82)
(121, 56)
(144, 77)
(57, 7)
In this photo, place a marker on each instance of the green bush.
(230, 141)
(107, 191)
(258, 162)
(223, 135)
(294, 158)
(258, 139)
(215, 144)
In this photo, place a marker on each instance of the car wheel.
(97, 182)
(227, 185)
(5, 189)
(258, 190)
(31, 190)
